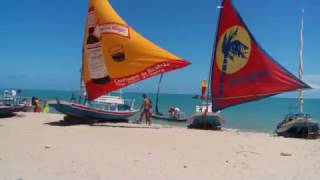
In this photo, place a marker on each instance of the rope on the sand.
(252, 152)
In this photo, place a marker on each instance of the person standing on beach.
(46, 106)
(37, 106)
(146, 109)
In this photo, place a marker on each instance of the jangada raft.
(241, 71)
(111, 107)
(299, 124)
(114, 56)
(174, 113)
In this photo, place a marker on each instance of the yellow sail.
(116, 56)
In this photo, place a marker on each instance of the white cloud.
(313, 80)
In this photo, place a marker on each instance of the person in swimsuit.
(146, 110)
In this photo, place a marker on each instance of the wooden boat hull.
(82, 111)
(167, 117)
(299, 128)
(211, 120)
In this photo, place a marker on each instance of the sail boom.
(253, 95)
(96, 90)
(244, 99)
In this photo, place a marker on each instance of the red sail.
(241, 70)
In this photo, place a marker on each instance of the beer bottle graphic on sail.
(97, 69)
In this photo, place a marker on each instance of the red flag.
(241, 70)
(203, 89)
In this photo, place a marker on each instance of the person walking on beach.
(146, 110)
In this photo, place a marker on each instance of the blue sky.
(41, 39)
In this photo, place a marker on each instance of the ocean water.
(259, 116)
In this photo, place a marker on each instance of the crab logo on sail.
(233, 52)
(234, 48)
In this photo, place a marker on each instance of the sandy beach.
(38, 146)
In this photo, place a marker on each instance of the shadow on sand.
(74, 121)
(305, 135)
(8, 115)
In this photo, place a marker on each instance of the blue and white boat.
(11, 103)
(108, 107)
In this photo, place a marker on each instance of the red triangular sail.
(241, 70)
